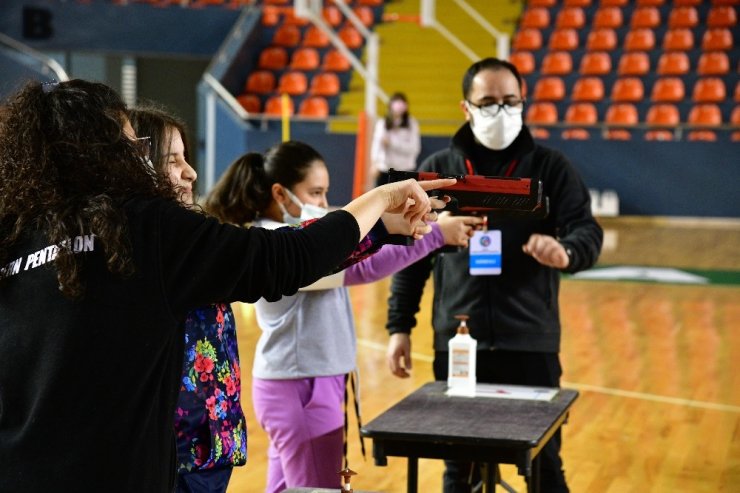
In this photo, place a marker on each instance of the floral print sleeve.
(367, 246)
(209, 422)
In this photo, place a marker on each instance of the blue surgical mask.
(308, 211)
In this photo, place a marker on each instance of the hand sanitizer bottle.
(462, 351)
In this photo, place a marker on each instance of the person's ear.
(278, 194)
(465, 110)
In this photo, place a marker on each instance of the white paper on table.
(499, 391)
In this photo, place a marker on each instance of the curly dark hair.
(66, 168)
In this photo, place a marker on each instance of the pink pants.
(304, 419)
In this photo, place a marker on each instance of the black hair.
(244, 191)
(66, 168)
(489, 63)
(397, 96)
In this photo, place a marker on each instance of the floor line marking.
(592, 388)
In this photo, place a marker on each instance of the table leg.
(533, 479)
(412, 475)
(492, 477)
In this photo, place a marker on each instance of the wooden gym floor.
(657, 366)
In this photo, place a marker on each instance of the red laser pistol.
(505, 196)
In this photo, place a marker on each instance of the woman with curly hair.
(99, 265)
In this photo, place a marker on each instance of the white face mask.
(494, 132)
(308, 211)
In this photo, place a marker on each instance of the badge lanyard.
(485, 245)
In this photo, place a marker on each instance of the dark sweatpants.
(515, 368)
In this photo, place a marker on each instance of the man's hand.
(457, 230)
(547, 251)
(399, 347)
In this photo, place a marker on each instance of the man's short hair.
(489, 63)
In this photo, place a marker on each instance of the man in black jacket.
(514, 312)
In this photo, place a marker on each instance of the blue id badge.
(485, 253)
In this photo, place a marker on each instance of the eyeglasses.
(511, 107)
(144, 146)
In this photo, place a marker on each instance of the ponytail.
(242, 192)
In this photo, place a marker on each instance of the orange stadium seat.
(557, 63)
(527, 40)
(314, 106)
(536, 18)
(325, 84)
(664, 115)
(614, 3)
(570, 18)
(365, 14)
(722, 16)
(713, 63)
(315, 38)
(270, 16)
(601, 40)
(673, 63)
(332, 15)
(542, 113)
(260, 82)
(709, 90)
(293, 83)
(735, 120)
(523, 61)
(639, 40)
(351, 37)
(650, 3)
(583, 113)
(678, 39)
(274, 106)
(622, 114)
(645, 17)
(250, 102)
(737, 92)
(595, 63)
(684, 16)
(305, 59)
(290, 19)
(334, 61)
(588, 89)
(701, 135)
(549, 89)
(718, 38)
(668, 90)
(628, 90)
(608, 17)
(288, 36)
(708, 115)
(273, 58)
(634, 63)
(563, 40)
(693, 3)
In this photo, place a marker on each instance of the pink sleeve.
(392, 258)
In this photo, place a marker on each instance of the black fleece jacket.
(518, 309)
(88, 387)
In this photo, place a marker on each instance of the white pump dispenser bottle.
(462, 351)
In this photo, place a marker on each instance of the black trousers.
(515, 368)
